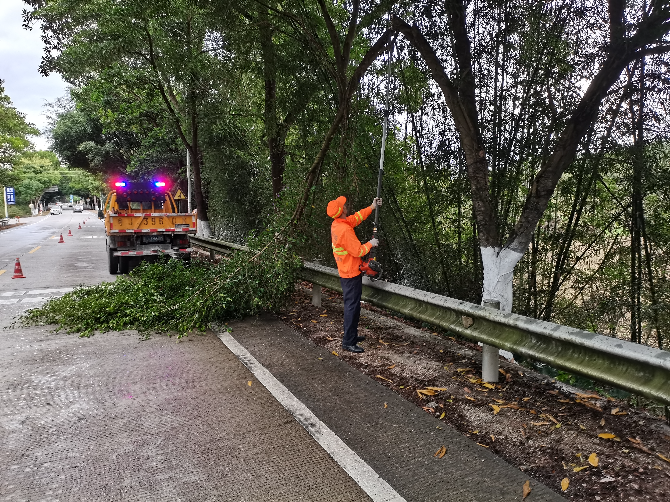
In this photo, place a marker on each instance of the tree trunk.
(276, 145)
(204, 230)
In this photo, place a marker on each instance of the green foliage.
(172, 297)
(32, 173)
(14, 132)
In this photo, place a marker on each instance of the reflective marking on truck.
(153, 251)
(185, 230)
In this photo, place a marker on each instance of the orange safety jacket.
(347, 249)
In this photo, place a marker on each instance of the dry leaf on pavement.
(526, 489)
(577, 469)
(441, 452)
(593, 460)
(607, 435)
(565, 483)
(496, 409)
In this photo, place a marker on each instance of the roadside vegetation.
(528, 141)
(174, 297)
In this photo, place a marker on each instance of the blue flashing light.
(159, 183)
(120, 184)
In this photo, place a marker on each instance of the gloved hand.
(374, 242)
(376, 202)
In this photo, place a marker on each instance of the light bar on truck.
(120, 184)
(159, 184)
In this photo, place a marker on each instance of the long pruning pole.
(384, 133)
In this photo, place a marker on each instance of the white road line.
(37, 299)
(9, 302)
(376, 488)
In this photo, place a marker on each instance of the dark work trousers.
(351, 290)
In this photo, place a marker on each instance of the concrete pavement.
(116, 418)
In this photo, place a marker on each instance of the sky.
(20, 56)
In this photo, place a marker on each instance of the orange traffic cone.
(69, 232)
(61, 241)
(79, 227)
(18, 273)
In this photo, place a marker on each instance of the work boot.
(353, 348)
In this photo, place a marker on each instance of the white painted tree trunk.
(498, 274)
(204, 230)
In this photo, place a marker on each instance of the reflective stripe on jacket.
(347, 249)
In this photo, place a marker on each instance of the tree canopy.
(527, 143)
(15, 132)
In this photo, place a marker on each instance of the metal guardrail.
(636, 368)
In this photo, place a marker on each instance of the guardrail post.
(490, 354)
(316, 295)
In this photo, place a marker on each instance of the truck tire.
(124, 265)
(113, 263)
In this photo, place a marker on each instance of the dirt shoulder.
(605, 449)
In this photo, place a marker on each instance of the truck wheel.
(124, 265)
(113, 263)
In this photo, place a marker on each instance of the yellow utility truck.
(142, 222)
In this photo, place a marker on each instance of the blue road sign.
(9, 194)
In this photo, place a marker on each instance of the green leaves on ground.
(172, 297)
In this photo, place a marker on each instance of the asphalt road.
(115, 418)
(259, 414)
(46, 264)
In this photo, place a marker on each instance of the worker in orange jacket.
(348, 252)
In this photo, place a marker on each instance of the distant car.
(78, 208)
(56, 210)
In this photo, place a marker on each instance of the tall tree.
(343, 69)
(627, 40)
(15, 131)
(161, 48)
